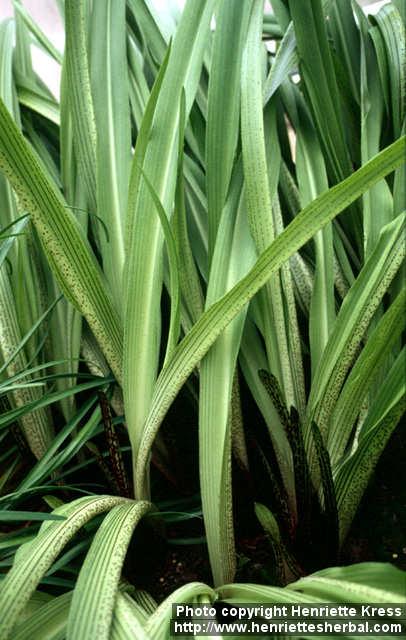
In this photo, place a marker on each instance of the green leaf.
(36, 426)
(352, 321)
(45, 465)
(234, 254)
(193, 593)
(174, 286)
(204, 333)
(316, 66)
(324, 97)
(8, 239)
(63, 241)
(39, 35)
(80, 97)
(312, 180)
(343, 27)
(223, 111)
(330, 511)
(253, 359)
(392, 29)
(91, 611)
(143, 276)
(127, 622)
(35, 558)
(362, 375)
(353, 474)
(286, 565)
(360, 583)
(48, 622)
(46, 399)
(10, 357)
(15, 516)
(284, 63)
(378, 202)
(44, 106)
(191, 291)
(259, 204)
(107, 39)
(367, 582)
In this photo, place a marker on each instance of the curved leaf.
(93, 600)
(204, 333)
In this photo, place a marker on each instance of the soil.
(378, 534)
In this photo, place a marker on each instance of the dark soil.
(378, 534)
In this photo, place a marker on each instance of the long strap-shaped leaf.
(223, 106)
(365, 582)
(35, 425)
(319, 76)
(377, 204)
(320, 81)
(189, 283)
(83, 119)
(252, 359)
(112, 116)
(286, 564)
(355, 315)
(393, 37)
(143, 275)
(362, 375)
(312, 180)
(285, 61)
(356, 473)
(49, 622)
(128, 622)
(329, 499)
(234, 254)
(158, 623)
(9, 234)
(91, 612)
(204, 333)
(69, 253)
(353, 474)
(37, 32)
(21, 306)
(35, 558)
(259, 198)
(46, 107)
(389, 21)
(173, 261)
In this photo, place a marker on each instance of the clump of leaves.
(206, 201)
